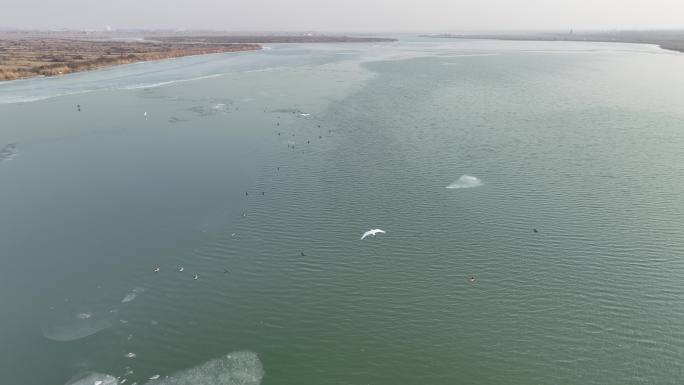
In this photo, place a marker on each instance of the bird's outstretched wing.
(372, 232)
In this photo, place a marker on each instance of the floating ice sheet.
(92, 378)
(236, 368)
(75, 327)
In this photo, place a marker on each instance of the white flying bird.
(372, 232)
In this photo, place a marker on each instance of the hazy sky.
(344, 15)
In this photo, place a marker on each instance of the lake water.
(259, 171)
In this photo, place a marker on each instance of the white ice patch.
(466, 181)
(236, 368)
(8, 152)
(132, 295)
(219, 106)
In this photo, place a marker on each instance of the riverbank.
(669, 40)
(34, 57)
(26, 54)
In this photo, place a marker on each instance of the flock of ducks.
(371, 232)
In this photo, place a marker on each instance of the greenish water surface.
(260, 179)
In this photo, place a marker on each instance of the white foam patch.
(132, 295)
(466, 181)
(236, 368)
(92, 378)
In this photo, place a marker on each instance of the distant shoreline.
(667, 40)
(267, 39)
(41, 54)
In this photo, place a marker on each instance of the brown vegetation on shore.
(23, 58)
(30, 53)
